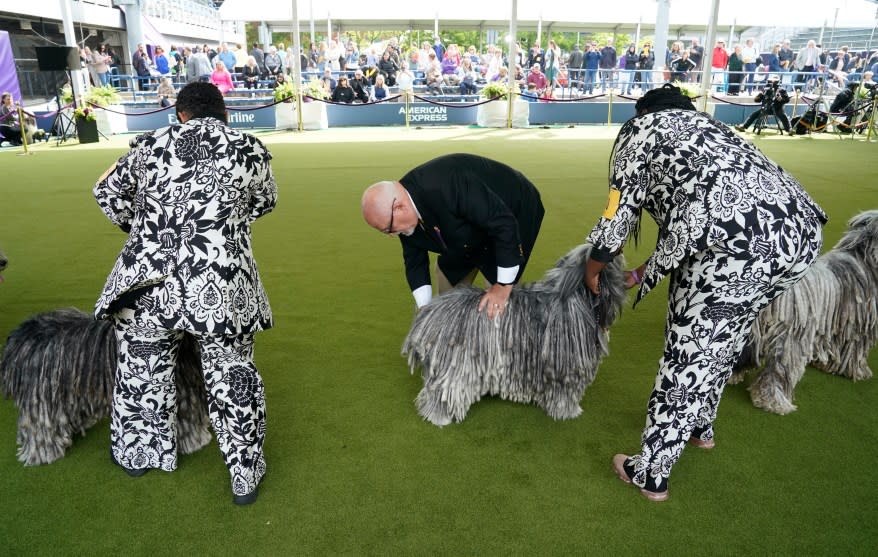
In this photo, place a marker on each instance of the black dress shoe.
(246, 499)
(133, 472)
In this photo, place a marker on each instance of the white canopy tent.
(639, 15)
(556, 15)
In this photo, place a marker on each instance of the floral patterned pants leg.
(143, 418)
(712, 301)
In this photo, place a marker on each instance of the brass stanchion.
(23, 128)
(610, 109)
(509, 106)
(300, 126)
(872, 119)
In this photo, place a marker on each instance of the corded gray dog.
(829, 319)
(59, 369)
(544, 349)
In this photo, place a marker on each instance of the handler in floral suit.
(186, 195)
(735, 231)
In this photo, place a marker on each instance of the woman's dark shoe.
(619, 468)
(133, 472)
(246, 499)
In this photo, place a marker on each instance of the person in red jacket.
(718, 65)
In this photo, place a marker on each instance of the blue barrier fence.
(426, 114)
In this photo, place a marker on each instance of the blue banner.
(427, 114)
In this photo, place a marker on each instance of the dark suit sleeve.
(472, 200)
(417, 265)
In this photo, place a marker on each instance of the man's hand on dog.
(495, 299)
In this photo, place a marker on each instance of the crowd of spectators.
(382, 70)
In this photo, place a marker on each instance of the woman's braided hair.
(201, 100)
(666, 96)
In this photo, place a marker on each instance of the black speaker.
(58, 58)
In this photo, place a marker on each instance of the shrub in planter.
(495, 90)
(86, 125)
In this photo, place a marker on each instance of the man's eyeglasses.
(389, 229)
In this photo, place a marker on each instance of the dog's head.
(566, 280)
(3, 263)
(861, 237)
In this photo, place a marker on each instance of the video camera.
(772, 93)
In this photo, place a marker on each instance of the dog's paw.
(439, 421)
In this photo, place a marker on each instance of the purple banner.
(8, 77)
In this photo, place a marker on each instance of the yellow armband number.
(612, 203)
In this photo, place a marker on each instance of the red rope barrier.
(130, 113)
(714, 97)
(576, 100)
(455, 105)
(251, 108)
(48, 114)
(388, 99)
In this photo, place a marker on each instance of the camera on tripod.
(771, 94)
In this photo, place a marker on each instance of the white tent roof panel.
(460, 14)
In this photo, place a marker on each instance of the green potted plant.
(313, 89)
(285, 92)
(693, 91)
(111, 120)
(284, 115)
(495, 90)
(86, 125)
(495, 114)
(103, 96)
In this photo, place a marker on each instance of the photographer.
(844, 106)
(772, 97)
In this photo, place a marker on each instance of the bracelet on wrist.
(637, 278)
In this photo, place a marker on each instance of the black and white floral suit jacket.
(186, 194)
(701, 183)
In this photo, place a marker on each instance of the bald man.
(476, 213)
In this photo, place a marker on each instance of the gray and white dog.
(59, 368)
(544, 349)
(829, 320)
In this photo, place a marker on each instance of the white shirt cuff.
(423, 295)
(507, 275)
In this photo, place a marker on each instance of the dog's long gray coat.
(544, 349)
(829, 319)
(59, 369)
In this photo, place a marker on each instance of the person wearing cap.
(772, 97)
(719, 63)
(478, 214)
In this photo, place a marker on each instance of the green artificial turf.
(352, 468)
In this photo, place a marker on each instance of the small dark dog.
(59, 368)
(3, 263)
(829, 320)
(544, 349)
